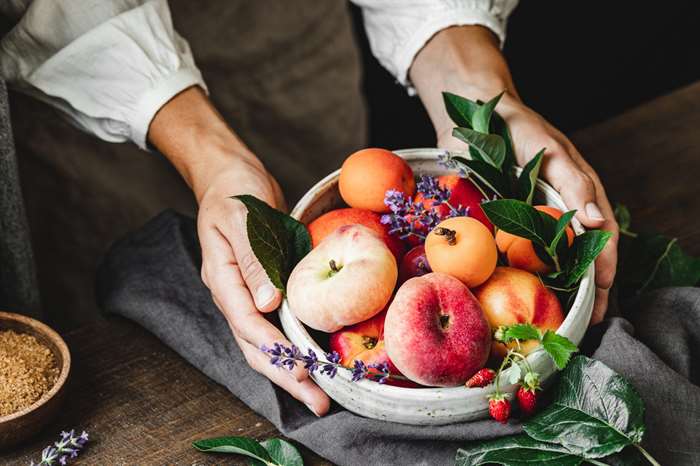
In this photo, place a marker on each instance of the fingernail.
(312, 410)
(593, 212)
(264, 295)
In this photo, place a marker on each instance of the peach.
(413, 264)
(349, 277)
(520, 251)
(435, 331)
(464, 248)
(462, 193)
(330, 221)
(365, 342)
(514, 296)
(368, 174)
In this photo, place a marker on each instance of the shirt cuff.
(460, 17)
(158, 95)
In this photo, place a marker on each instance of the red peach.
(435, 331)
(463, 193)
(413, 264)
(330, 221)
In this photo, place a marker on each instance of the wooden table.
(142, 404)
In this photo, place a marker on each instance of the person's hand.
(467, 61)
(217, 165)
(566, 170)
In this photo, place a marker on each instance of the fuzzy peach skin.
(514, 296)
(360, 286)
(368, 174)
(330, 221)
(435, 331)
(520, 252)
(365, 342)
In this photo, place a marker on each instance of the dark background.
(576, 63)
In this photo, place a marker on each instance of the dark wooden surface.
(144, 405)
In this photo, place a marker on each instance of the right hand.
(239, 285)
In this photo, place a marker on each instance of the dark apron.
(284, 74)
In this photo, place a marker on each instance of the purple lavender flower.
(448, 162)
(382, 373)
(67, 448)
(429, 186)
(310, 361)
(359, 371)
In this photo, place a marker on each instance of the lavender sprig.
(448, 162)
(288, 357)
(67, 448)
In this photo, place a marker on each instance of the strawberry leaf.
(521, 332)
(558, 347)
(528, 178)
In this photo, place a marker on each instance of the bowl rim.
(58, 341)
(424, 394)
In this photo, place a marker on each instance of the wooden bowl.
(22, 424)
(425, 406)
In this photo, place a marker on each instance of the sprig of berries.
(410, 218)
(64, 450)
(290, 356)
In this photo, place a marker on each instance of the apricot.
(368, 174)
(331, 221)
(464, 248)
(513, 296)
(520, 251)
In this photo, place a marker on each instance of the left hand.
(566, 170)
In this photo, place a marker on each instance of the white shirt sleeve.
(108, 64)
(398, 29)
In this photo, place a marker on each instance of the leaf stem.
(596, 462)
(647, 455)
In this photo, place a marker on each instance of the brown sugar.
(27, 370)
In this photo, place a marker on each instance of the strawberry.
(499, 407)
(482, 378)
(527, 400)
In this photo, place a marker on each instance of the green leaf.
(486, 173)
(519, 450)
(491, 147)
(584, 251)
(238, 445)
(522, 332)
(520, 219)
(595, 411)
(460, 109)
(562, 223)
(623, 217)
(499, 126)
(558, 347)
(277, 240)
(481, 118)
(528, 178)
(281, 452)
(653, 261)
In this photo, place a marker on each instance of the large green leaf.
(562, 224)
(277, 240)
(528, 178)
(499, 126)
(238, 445)
(584, 251)
(558, 347)
(595, 411)
(487, 174)
(460, 109)
(519, 450)
(520, 219)
(481, 119)
(282, 453)
(490, 147)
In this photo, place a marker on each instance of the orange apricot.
(464, 248)
(368, 174)
(520, 252)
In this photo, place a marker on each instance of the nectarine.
(464, 248)
(330, 221)
(520, 251)
(368, 174)
(514, 296)
(413, 264)
(435, 331)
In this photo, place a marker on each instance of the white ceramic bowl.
(423, 406)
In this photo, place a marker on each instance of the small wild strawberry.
(482, 378)
(527, 400)
(499, 407)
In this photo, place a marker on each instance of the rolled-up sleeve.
(109, 65)
(398, 29)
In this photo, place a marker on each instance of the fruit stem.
(527, 363)
(647, 455)
(500, 369)
(451, 235)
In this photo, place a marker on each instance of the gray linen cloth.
(152, 277)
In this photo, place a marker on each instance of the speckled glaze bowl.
(423, 406)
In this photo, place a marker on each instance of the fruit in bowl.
(413, 264)
(513, 296)
(348, 278)
(435, 331)
(463, 193)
